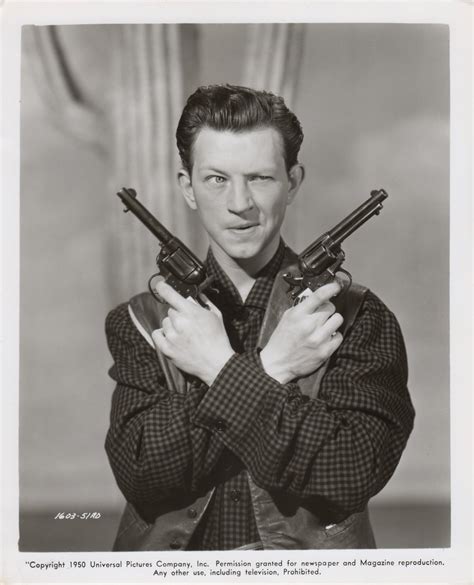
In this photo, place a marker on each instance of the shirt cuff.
(234, 402)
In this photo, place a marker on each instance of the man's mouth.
(243, 227)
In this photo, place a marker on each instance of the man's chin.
(243, 250)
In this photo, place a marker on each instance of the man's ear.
(184, 180)
(296, 176)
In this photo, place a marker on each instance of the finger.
(159, 278)
(320, 296)
(167, 326)
(169, 295)
(154, 280)
(334, 342)
(160, 341)
(325, 310)
(328, 346)
(313, 322)
(331, 326)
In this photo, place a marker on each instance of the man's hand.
(305, 337)
(192, 336)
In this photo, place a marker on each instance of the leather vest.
(282, 521)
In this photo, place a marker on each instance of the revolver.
(319, 263)
(179, 267)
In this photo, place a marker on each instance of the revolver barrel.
(180, 267)
(326, 250)
(129, 198)
(359, 216)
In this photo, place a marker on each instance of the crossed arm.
(342, 447)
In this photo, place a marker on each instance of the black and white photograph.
(235, 298)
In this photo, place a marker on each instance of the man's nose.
(239, 198)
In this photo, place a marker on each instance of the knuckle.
(313, 328)
(315, 338)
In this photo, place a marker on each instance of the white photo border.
(457, 565)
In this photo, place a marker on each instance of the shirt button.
(175, 544)
(235, 495)
(192, 513)
(220, 425)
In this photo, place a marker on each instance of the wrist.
(273, 366)
(216, 366)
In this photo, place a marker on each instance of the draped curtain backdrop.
(130, 116)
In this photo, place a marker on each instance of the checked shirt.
(339, 449)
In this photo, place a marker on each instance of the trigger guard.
(152, 290)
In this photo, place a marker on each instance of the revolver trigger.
(349, 276)
(292, 279)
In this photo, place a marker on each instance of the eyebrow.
(212, 170)
(261, 171)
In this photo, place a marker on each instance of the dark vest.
(282, 521)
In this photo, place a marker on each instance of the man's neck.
(242, 272)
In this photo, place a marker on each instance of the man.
(230, 431)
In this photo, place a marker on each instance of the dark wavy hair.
(236, 108)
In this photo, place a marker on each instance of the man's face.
(241, 189)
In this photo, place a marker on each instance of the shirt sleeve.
(154, 450)
(341, 447)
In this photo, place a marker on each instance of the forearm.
(342, 447)
(154, 450)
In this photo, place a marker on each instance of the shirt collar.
(227, 292)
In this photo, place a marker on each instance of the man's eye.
(215, 180)
(259, 178)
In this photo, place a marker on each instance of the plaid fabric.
(340, 449)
